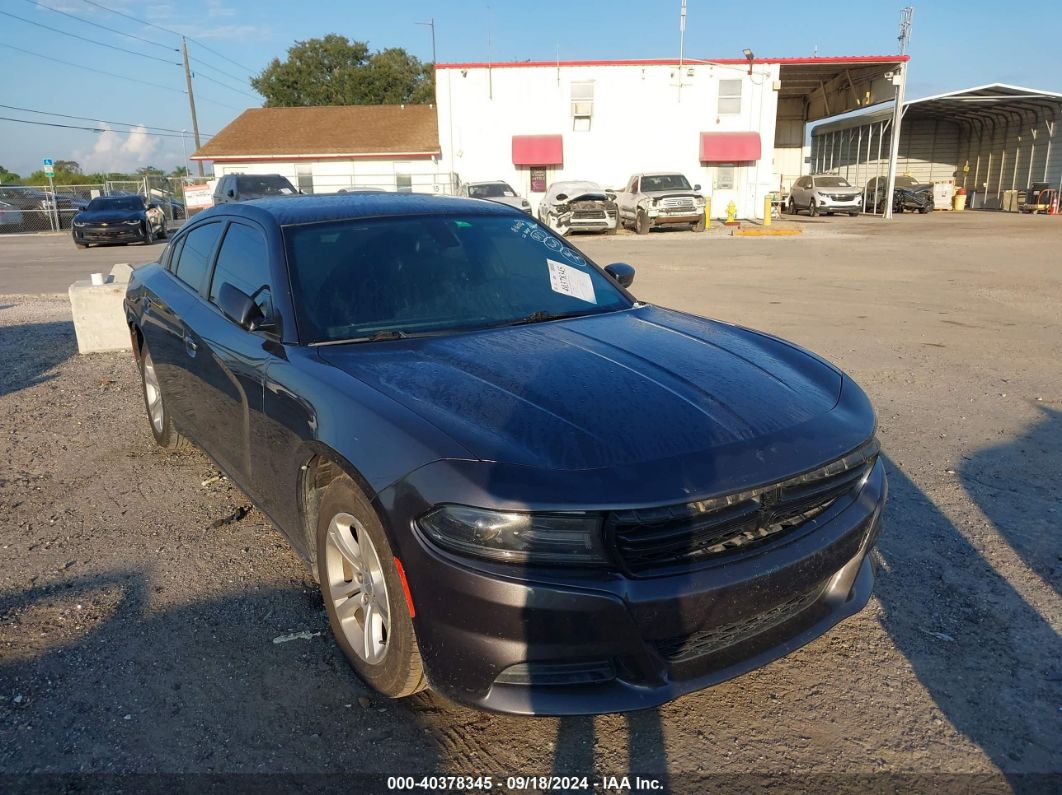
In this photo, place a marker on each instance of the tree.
(7, 177)
(150, 171)
(336, 71)
(180, 171)
(71, 166)
(60, 177)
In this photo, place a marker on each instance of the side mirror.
(231, 193)
(240, 308)
(621, 272)
(697, 187)
(561, 197)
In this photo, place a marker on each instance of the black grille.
(709, 641)
(596, 215)
(702, 531)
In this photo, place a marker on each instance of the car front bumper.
(845, 205)
(108, 234)
(619, 633)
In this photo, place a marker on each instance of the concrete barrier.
(99, 319)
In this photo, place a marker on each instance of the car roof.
(290, 210)
(660, 174)
(489, 182)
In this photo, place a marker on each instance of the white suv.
(824, 193)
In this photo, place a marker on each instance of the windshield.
(432, 274)
(265, 185)
(664, 182)
(490, 190)
(831, 182)
(906, 182)
(126, 203)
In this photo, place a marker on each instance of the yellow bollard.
(768, 205)
(707, 212)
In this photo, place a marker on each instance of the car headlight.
(79, 224)
(513, 537)
(131, 223)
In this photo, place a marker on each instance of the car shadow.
(1016, 485)
(30, 352)
(988, 658)
(104, 674)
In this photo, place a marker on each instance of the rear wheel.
(364, 595)
(149, 233)
(853, 214)
(641, 223)
(161, 426)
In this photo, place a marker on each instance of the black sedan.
(514, 482)
(909, 194)
(118, 219)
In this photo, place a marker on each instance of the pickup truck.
(660, 199)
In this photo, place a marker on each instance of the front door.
(724, 188)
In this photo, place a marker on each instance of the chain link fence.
(42, 208)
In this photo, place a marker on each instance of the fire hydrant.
(731, 213)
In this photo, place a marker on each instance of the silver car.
(824, 193)
(496, 191)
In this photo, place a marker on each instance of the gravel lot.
(140, 599)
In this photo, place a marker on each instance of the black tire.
(699, 226)
(149, 233)
(166, 436)
(813, 209)
(163, 234)
(925, 209)
(641, 223)
(791, 207)
(853, 215)
(400, 672)
(81, 245)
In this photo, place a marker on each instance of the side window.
(169, 256)
(724, 177)
(243, 262)
(194, 257)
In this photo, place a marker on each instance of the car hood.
(108, 216)
(667, 194)
(512, 201)
(601, 391)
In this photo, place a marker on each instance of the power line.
(101, 121)
(101, 27)
(201, 63)
(90, 68)
(224, 85)
(89, 129)
(85, 38)
(224, 57)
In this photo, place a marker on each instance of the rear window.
(264, 185)
(490, 190)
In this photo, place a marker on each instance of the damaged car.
(651, 200)
(909, 194)
(496, 191)
(578, 206)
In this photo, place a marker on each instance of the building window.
(582, 105)
(724, 177)
(403, 183)
(304, 174)
(730, 96)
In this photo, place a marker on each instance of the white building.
(330, 148)
(736, 127)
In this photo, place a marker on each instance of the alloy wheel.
(153, 393)
(356, 586)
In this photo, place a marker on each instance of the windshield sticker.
(569, 281)
(285, 190)
(529, 229)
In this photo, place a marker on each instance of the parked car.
(824, 193)
(496, 191)
(246, 187)
(514, 482)
(10, 217)
(578, 206)
(909, 194)
(660, 199)
(38, 207)
(119, 219)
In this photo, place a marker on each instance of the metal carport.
(988, 139)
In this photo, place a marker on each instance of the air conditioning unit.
(583, 108)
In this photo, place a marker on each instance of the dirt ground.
(140, 602)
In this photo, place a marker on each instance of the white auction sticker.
(570, 281)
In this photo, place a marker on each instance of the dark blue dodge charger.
(516, 483)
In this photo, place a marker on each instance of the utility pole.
(191, 100)
(900, 81)
(682, 45)
(431, 24)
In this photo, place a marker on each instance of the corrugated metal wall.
(1001, 154)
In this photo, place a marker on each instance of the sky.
(953, 45)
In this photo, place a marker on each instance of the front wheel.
(161, 426)
(641, 223)
(364, 595)
(813, 209)
(699, 226)
(791, 208)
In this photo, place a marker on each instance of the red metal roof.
(538, 150)
(823, 60)
(730, 147)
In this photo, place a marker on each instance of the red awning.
(730, 147)
(538, 150)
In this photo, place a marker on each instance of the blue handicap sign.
(47, 161)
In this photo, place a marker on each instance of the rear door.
(230, 361)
